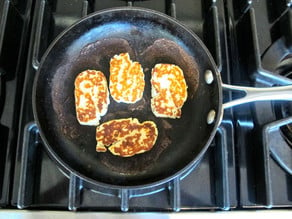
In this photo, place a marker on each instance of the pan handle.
(253, 94)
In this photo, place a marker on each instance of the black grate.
(14, 33)
(262, 35)
(248, 164)
(40, 184)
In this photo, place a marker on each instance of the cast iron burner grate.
(14, 35)
(172, 192)
(40, 184)
(278, 135)
(260, 40)
(285, 109)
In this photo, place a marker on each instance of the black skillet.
(149, 37)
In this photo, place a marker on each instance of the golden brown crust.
(91, 97)
(169, 90)
(126, 137)
(126, 79)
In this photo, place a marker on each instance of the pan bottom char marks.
(161, 50)
(95, 55)
(90, 44)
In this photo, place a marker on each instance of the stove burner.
(280, 150)
(277, 136)
(284, 109)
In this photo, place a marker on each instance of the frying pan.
(149, 37)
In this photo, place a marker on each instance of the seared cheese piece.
(126, 137)
(168, 91)
(91, 97)
(126, 79)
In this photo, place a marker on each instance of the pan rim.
(65, 165)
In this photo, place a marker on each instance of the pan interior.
(149, 38)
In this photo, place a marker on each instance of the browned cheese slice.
(126, 137)
(126, 79)
(91, 97)
(168, 91)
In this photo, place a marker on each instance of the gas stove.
(249, 163)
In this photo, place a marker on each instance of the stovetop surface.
(250, 42)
